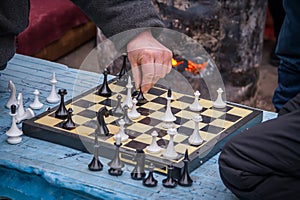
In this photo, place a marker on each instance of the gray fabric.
(13, 20)
(112, 16)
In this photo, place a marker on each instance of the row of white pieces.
(218, 103)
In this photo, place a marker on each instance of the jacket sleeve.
(115, 16)
(291, 105)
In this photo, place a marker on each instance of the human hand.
(149, 59)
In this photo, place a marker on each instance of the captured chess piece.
(61, 112)
(116, 163)
(169, 182)
(150, 181)
(69, 124)
(185, 179)
(102, 127)
(219, 103)
(36, 103)
(104, 90)
(12, 100)
(118, 110)
(53, 98)
(195, 138)
(14, 133)
(168, 118)
(95, 164)
(195, 106)
(138, 173)
(21, 113)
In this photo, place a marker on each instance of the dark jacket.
(112, 16)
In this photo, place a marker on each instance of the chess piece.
(169, 182)
(116, 163)
(123, 72)
(168, 118)
(134, 114)
(170, 152)
(102, 128)
(138, 173)
(219, 103)
(27, 115)
(69, 124)
(14, 133)
(20, 110)
(125, 117)
(53, 98)
(95, 164)
(128, 99)
(195, 138)
(61, 112)
(153, 147)
(12, 100)
(150, 181)
(118, 110)
(195, 106)
(140, 98)
(185, 179)
(121, 132)
(36, 103)
(104, 90)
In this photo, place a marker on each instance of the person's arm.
(291, 105)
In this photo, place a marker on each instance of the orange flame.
(192, 67)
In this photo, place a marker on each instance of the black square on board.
(83, 103)
(185, 130)
(230, 117)
(149, 121)
(136, 145)
(156, 91)
(87, 113)
(160, 100)
(91, 124)
(212, 129)
(108, 102)
(143, 111)
(186, 99)
(174, 110)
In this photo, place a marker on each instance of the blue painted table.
(64, 169)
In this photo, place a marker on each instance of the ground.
(266, 84)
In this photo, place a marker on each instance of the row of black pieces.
(138, 173)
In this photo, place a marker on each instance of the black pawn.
(170, 182)
(62, 112)
(169, 93)
(13, 109)
(104, 90)
(125, 117)
(69, 124)
(185, 179)
(140, 98)
(138, 173)
(150, 181)
(118, 110)
(116, 163)
(95, 164)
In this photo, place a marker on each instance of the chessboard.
(216, 127)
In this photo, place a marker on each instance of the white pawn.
(134, 114)
(12, 98)
(219, 103)
(168, 118)
(53, 97)
(170, 152)
(153, 147)
(195, 138)
(195, 106)
(36, 103)
(121, 132)
(128, 99)
(20, 110)
(14, 133)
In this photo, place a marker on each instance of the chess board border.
(66, 138)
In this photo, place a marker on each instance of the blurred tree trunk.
(230, 31)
